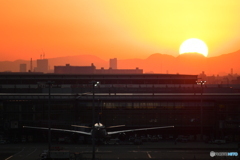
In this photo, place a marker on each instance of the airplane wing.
(115, 126)
(56, 129)
(140, 129)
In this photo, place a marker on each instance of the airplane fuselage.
(99, 132)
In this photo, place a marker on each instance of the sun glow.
(194, 45)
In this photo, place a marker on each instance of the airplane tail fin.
(99, 111)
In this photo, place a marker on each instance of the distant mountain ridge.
(157, 63)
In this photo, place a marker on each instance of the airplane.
(98, 130)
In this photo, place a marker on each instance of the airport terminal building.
(135, 100)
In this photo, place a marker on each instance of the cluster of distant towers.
(42, 65)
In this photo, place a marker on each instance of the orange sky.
(115, 28)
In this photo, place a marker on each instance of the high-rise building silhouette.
(23, 68)
(42, 65)
(113, 63)
(31, 65)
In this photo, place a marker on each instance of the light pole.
(49, 117)
(49, 83)
(94, 84)
(201, 83)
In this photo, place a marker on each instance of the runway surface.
(150, 150)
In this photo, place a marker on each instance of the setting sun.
(194, 45)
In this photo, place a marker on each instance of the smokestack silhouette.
(31, 65)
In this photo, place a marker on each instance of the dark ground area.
(148, 150)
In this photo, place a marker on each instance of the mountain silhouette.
(188, 63)
(79, 60)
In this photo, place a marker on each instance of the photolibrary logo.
(213, 154)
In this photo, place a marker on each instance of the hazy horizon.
(107, 59)
(188, 63)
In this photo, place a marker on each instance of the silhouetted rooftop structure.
(92, 70)
(74, 69)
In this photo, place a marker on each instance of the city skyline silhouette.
(188, 63)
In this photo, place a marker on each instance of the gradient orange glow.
(115, 28)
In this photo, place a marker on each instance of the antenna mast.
(43, 55)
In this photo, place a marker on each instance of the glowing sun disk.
(194, 45)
